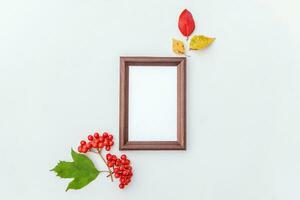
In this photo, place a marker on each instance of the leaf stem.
(187, 55)
(106, 172)
(100, 154)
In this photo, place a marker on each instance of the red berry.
(90, 138)
(108, 156)
(107, 148)
(111, 143)
(82, 142)
(100, 145)
(96, 135)
(101, 139)
(110, 164)
(105, 135)
(84, 149)
(123, 157)
(122, 180)
(121, 186)
(118, 162)
(106, 142)
(79, 149)
(123, 162)
(114, 157)
(94, 144)
(110, 137)
(117, 175)
(127, 181)
(89, 145)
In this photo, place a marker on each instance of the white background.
(59, 73)
(152, 112)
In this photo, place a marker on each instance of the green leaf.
(82, 169)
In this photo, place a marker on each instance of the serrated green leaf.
(82, 169)
(65, 169)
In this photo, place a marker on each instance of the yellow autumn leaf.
(200, 42)
(178, 46)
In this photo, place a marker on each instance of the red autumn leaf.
(186, 23)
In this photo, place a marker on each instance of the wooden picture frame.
(180, 104)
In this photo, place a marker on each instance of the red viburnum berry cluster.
(121, 168)
(97, 141)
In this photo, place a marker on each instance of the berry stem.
(110, 174)
(100, 154)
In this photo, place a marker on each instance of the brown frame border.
(180, 144)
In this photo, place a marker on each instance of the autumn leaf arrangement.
(186, 25)
(83, 171)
